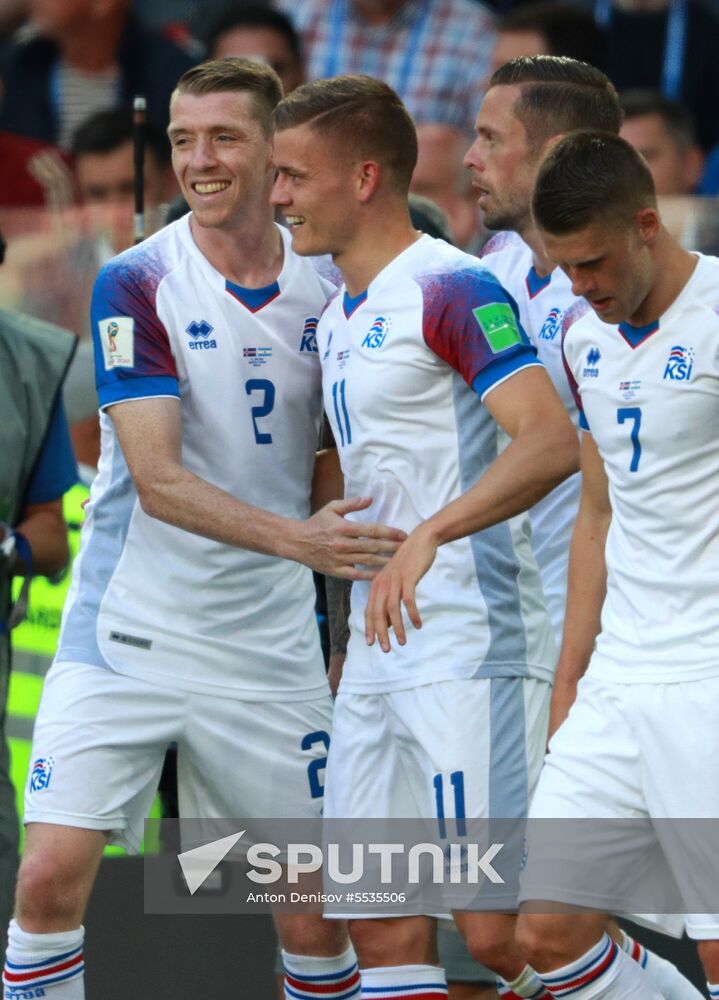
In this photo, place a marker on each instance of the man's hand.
(328, 543)
(395, 585)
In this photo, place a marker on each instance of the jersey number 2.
(267, 389)
(316, 766)
(634, 414)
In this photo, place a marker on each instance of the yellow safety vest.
(34, 643)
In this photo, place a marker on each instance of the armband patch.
(499, 326)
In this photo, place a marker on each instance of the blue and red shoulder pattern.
(498, 242)
(133, 357)
(471, 322)
(575, 312)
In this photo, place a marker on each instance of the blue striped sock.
(581, 977)
(404, 982)
(44, 965)
(308, 977)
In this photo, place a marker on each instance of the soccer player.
(442, 411)
(186, 621)
(639, 665)
(530, 102)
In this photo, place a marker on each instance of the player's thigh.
(98, 747)
(365, 777)
(477, 745)
(679, 743)
(592, 769)
(253, 759)
(592, 774)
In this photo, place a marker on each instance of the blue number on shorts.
(632, 413)
(266, 387)
(457, 780)
(319, 764)
(343, 419)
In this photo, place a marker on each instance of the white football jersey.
(650, 396)
(149, 599)
(404, 368)
(542, 303)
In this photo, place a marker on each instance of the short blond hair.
(233, 74)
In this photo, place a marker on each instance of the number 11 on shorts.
(457, 782)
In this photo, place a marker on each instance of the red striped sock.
(308, 977)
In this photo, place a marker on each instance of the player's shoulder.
(705, 282)
(453, 276)
(141, 268)
(504, 243)
(577, 317)
(509, 257)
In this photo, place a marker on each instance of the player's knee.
(709, 955)
(311, 934)
(534, 936)
(492, 946)
(47, 893)
(405, 940)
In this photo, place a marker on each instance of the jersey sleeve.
(55, 471)
(570, 317)
(133, 357)
(472, 323)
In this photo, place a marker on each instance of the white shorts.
(648, 755)
(100, 741)
(456, 748)
(451, 750)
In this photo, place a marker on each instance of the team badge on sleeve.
(499, 325)
(41, 773)
(117, 336)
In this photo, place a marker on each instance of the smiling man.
(190, 617)
(442, 414)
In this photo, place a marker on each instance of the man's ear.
(648, 224)
(368, 176)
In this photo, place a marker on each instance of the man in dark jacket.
(85, 57)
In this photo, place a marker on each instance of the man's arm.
(587, 583)
(149, 431)
(543, 451)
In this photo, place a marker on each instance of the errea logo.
(377, 333)
(200, 333)
(592, 367)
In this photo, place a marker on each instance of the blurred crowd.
(69, 70)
